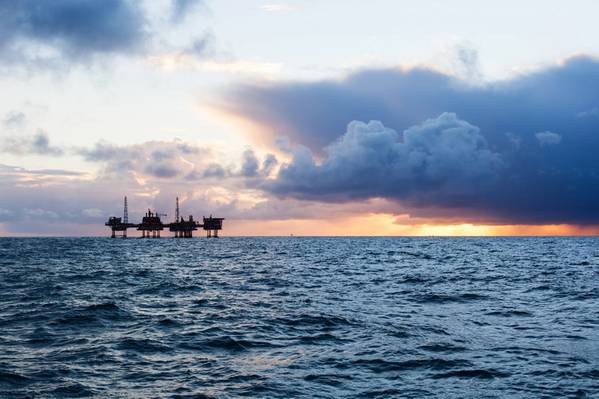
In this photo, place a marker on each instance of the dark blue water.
(300, 317)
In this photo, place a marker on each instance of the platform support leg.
(113, 234)
(215, 233)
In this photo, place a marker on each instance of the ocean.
(299, 317)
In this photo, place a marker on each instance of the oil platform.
(151, 224)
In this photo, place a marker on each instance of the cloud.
(516, 119)
(34, 31)
(250, 164)
(202, 47)
(445, 168)
(93, 212)
(188, 59)
(37, 144)
(164, 170)
(591, 113)
(214, 170)
(313, 113)
(180, 9)
(278, 7)
(468, 63)
(444, 157)
(269, 164)
(14, 120)
(161, 159)
(7, 170)
(548, 138)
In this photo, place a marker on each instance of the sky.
(386, 117)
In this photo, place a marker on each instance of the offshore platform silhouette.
(151, 225)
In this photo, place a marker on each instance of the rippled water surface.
(299, 317)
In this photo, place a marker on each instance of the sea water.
(299, 317)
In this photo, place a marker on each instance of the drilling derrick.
(125, 216)
(125, 212)
(121, 225)
(181, 227)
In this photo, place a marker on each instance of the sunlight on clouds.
(244, 128)
(386, 225)
(148, 194)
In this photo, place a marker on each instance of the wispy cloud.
(184, 60)
(279, 7)
(36, 144)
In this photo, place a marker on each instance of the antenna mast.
(177, 211)
(125, 212)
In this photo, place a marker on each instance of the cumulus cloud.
(443, 168)
(250, 164)
(442, 158)
(548, 138)
(269, 164)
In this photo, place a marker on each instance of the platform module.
(151, 224)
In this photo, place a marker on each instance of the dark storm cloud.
(559, 99)
(443, 158)
(526, 146)
(74, 28)
(446, 168)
